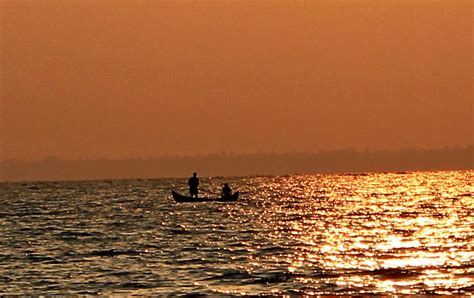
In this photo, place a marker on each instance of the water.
(407, 233)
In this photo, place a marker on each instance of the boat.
(182, 199)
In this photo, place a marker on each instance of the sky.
(85, 79)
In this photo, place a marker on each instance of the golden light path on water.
(380, 232)
(353, 234)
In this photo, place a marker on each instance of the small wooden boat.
(182, 199)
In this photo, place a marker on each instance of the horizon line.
(230, 153)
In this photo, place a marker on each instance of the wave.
(392, 273)
(76, 235)
(271, 277)
(116, 252)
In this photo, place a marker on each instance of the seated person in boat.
(193, 185)
(226, 190)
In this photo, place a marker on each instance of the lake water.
(406, 233)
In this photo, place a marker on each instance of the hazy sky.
(119, 79)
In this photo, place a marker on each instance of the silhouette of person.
(193, 183)
(226, 190)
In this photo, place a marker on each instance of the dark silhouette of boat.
(182, 199)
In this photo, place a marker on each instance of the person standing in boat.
(193, 185)
(226, 190)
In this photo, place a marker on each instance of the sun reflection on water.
(405, 233)
(382, 233)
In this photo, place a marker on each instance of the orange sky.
(119, 79)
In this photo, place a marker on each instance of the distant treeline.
(340, 161)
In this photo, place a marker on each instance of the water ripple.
(351, 234)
